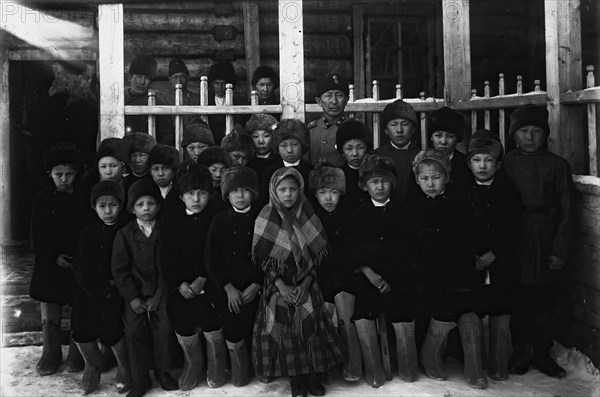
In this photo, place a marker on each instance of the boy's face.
(262, 141)
(145, 208)
(139, 163)
(63, 176)
(179, 78)
(238, 158)
(215, 172)
(265, 88)
(288, 192)
(219, 88)
(354, 152)
(444, 141)
(162, 175)
(139, 84)
(195, 200)
(484, 166)
(400, 131)
(107, 207)
(328, 198)
(240, 198)
(195, 148)
(333, 102)
(431, 180)
(379, 188)
(530, 138)
(290, 150)
(110, 169)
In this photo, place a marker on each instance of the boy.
(399, 121)
(544, 181)
(216, 159)
(219, 75)
(140, 145)
(260, 128)
(197, 137)
(163, 163)
(98, 307)
(239, 146)
(266, 81)
(353, 141)
(228, 258)
(138, 276)
(140, 74)
(111, 158)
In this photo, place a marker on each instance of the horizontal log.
(197, 67)
(501, 102)
(315, 45)
(322, 22)
(38, 54)
(172, 110)
(589, 95)
(188, 20)
(316, 66)
(157, 44)
(179, 5)
(586, 236)
(588, 310)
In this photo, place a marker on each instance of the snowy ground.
(19, 378)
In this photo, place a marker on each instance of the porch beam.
(291, 54)
(457, 50)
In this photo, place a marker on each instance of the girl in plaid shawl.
(292, 335)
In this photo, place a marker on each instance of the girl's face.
(530, 138)
(145, 208)
(262, 141)
(110, 169)
(379, 189)
(431, 180)
(63, 176)
(484, 166)
(162, 175)
(444, 141)
(238, 157)
(354, 152)
(108, 208)
(215, 172)
(240, 198)
(195, 200)
(328, 198)
(290, 150)
(288, 192)
(265, 88)
(195, 148)
(400, 131)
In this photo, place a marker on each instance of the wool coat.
(354, 195)
(403, 159)
(171, 202)
(260, 165)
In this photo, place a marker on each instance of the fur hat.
(222, 71)
(143, 65)
(113, 147)
(107, 188)
(327, 177)
(433, 155)
(352, 129)
(214, 155)
(332, 81)
(398, 110)
(529, 115)
(376, 166)
(235, 141)
(142, 187)
(165, 155)
(446, 119)
(484, 141)
(140, 142)
(63, 153)
(197, 132)
(265, 72)
(177, 66)
(239, 176)
(261, 122)
(192, 176)
(291, 129)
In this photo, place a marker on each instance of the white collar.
(219, 101)
(487, 183)
(451, 155)
(146, 226)
(189, 212)
(378, 204)
(244, 211)
(165, 190)
(354, 168)
(263, 156)
(285, 163)
(405, 147)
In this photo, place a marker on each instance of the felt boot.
(353, 364)
(432, 348)
(315, 388)
(469, 326)
(240, 363)
(499, 347)
(542, 360)
(298, 386)
(216, 354)
(109, 358)
(520, 360)
(406, 351)
(371, 352)
(140, 386)
(74, 362)
(51, 351)
(123, 379)
(194, 363)
(93, 366)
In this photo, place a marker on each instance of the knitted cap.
(142, 187)
(143, 65)
(331, 81)
(63, 153)
(214, 155)
(433, 155)
(222, 71)
(352, 129)
(327, 177)
(291, 129)
(192, 176)
(177, 66)
(113, 147)
(484, 141)
(398, 110)
(446, 119)
(529, 115)
(237, 177)
(107, 188)
(235, 141)
(197, 132)
(140, 142)
(376, 166)
(165, 155)
(261, 122)
(265, 72)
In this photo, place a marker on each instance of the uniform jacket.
(403, 159)
(322, 141)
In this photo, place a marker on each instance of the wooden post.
(591, 116)
(251, 39)
(563, 73)
(501, 119)
(228, 102)
(5, 185)
(178, 117)
(486, 113)
(473, 114)
(376, 122)
(423, 117)
(291, 54)
(151, 118)
(457, 50)
(359, 51)
(111, 70)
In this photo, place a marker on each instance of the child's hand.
(64, 261)
(249, 293)
(301, 293)
(555, 263)
(286, 292)
(186, 291)
(138, 305)
(384, 287)
(234, 298)
(375, 279)
(152, 302)
(483, 261)
(198, 285)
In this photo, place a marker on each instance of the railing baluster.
(253, 97)
(228, 102)
(486, 113)
(591, 116)
(399, 91)
(423, 118)
(501, 119)
(536, 85)
(473, 113)
(178, 118)
(203, 91)
(376, 123)
(151, 118)
(351, 97)
(519, 84)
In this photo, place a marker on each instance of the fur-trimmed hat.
(291, 129)
(214, 155)
(327, 177)
(398, 110)
(529, 115)
(432, 155)
(265, 72)
(332, 81)
(239, 176)
(107, 188)
(165, 155)
(235, 141)
(197, 132)
(446, 119)
(376, 166)
(142, 187)
(352, 129)
(261, 122)
(222, 71)
(192, 176)
(485, 141)
(143, 65)
(113, 147)
(63, 153)
(177, 66)
(141, 142)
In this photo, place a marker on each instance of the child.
(197, 137)
(216, 159)
(544, 181)
(353, 141)
(260, 128)
(111, 157)
(191, 294)
(239, 146)
(58, 215)
(492, 238)
(229, 262)
(292, 335)
(399, 121)
(163, 163)
(140, 145)
(138, 276)
(98, 307)
(383, 280)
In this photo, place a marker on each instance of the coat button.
(235, 232)
(233, 253)
(380, 238)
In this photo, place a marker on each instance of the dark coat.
(304, 168)
(171, 202)
(461, 177)
(354, 195)
(131, 178)
(403, 159)
(139, 123)
(217, 122)
(260, 165)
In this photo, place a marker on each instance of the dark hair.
(265, 72)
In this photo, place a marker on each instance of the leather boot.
(499, 347)
(315, 388)
(406, 351)
(469, 326)
(371, 352)
(542, 360)
(240, 363)
(216, 354)
(298, 386)
(108, 358)
(93, 366)
(74, 362)
(123, 379)
(432, 348)
(51, 351)
(353, 365)
(194, 364)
